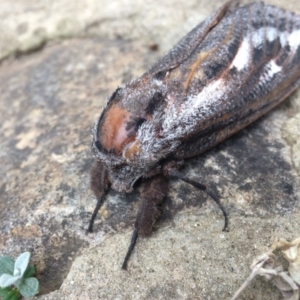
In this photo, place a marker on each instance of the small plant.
(16, 278)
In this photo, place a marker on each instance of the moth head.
(118, 133)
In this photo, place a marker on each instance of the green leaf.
(6, 265)
(29, 287)
(21, 263)
(7, 280)
(4, 291)
(9, 294)
(30, 272)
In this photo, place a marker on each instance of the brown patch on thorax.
(113, 134)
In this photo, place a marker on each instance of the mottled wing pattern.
(184, 48)
(245, 66)
(227, 72)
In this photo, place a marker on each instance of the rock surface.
(49, 101)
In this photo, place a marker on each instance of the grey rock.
(49, 101)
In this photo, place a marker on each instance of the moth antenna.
(174, 173)
(131, 246)
(100, 185)
(100, 201)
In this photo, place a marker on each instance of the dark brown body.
(226, 73)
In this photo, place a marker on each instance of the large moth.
(227, 72)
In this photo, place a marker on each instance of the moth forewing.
(227, 72)
(249, 79)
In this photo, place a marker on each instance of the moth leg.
(137, 227)
(153, 193)
(99, 185)
(132, 242)
(174, 173)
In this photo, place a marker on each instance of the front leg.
(154, 191)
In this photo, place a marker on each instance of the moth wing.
(184, 48)
(231, 89)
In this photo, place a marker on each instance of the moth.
(227, 72)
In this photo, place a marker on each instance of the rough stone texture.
(36, 22)
(49, 101)
(27, 25)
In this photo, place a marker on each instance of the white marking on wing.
(178, 122)
(274, 68)
(271, 33)
(212, 92)
(270, 70)
(294, 40)
(258, 38)
(283, 38)
(242, 58)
